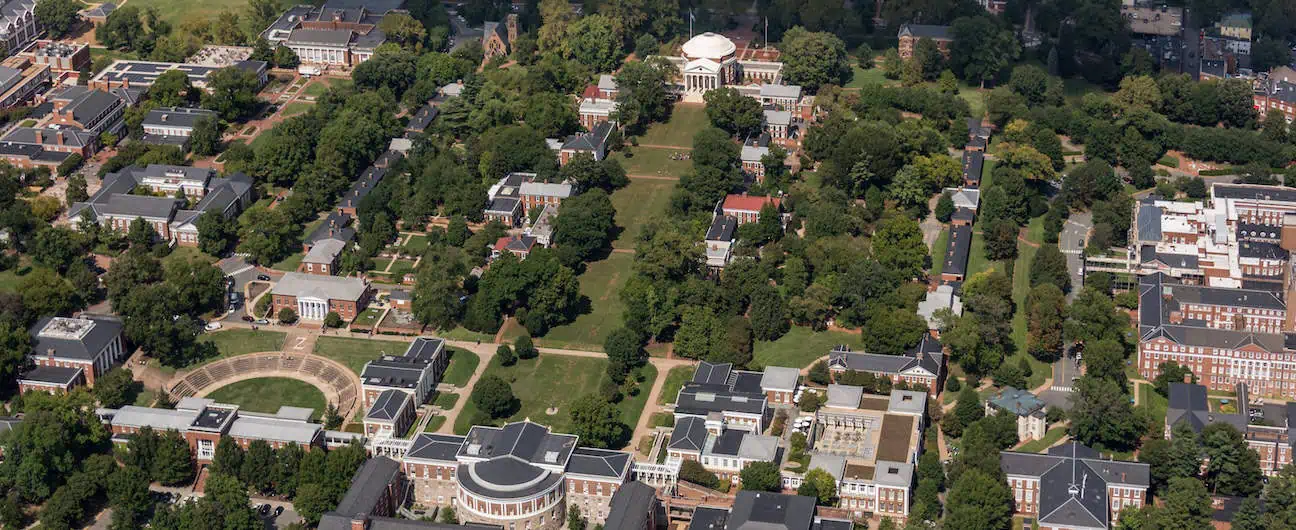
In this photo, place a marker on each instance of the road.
(463, 34)
(1072, 242)
(242, 272)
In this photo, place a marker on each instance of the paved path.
(652, 177)
(645, 427)
(660, 146)
(485, 352)
(931, 227)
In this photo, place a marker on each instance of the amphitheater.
(339, 385)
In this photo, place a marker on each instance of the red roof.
(748, 203)
(590, 92)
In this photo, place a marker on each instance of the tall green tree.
(812, 59)
(981, 48)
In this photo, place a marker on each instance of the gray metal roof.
(158, 419)
(768, 90)
(422, 119)
(523, 440)
(1222, 190)
(762, 510)
(388, 406)
(1149, 222)
(439, 447)
(369, 485)
(690, 434)
(322, 287)
(80, 338)
(1188, 404)
(506, 477)
(599, 463)
(325, 251)
(780, 378)
(957, 250)
(591, 141)
(898, 474)
(176, 117)
(339, 38)
(122, 205)
(273, 428)
(631, 506)
(1017, 401)
(712, 373)
(844, 396)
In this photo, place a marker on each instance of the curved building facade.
(512, 493)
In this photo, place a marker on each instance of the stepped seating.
(267, 362)
(242, 364)
(312, 366)
(290, 363)
(220, 370)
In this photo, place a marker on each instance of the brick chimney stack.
(40, 138)
(360, 522)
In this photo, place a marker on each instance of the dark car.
(263, 277)
(265, 510)
(278, 511)
(247, 318)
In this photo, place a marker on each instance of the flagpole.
(691, 17)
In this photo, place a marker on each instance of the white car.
(212, 326)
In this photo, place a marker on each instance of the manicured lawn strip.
(975, 99)
(267, 394)
(637, 204)
(290, 263)
(177, 12)
(1168, 161)
(434, 423)
(533, 382)
(321, 85)
(675, 380)
(685, 121)
(1021, 288)
(182, 254)
(462, 333)
(1155, 403)
(1039, 446)
(400, 268)
(601, 282)
(369, 317)
(295, 108)
(872, 76)
(977, 260)
(462, 365)
(653, 161)
(11, 279)
(446, 400)
(380, 264)
(938, 252)
(354, 353)
(231, 342)
(801, 346)
(417, 244)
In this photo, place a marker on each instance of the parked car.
(247, 318)
(212, 326)
(263, 322)
(265, 510)
(278, 511)
(263, 277)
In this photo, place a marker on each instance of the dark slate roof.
(690, 434)
(957, 250)
(91, 105)
(335, 226)
(1197, 294)
(363, 184)
(599, 462)
(64, 342)
(404, 370)
(973, 161)
(1188, 404)
(505, 478)
(1073, 482)
(631, 506)
(832, 524)
(712, 373)
(1149, 222)
(324, 37)
(722, 228)
(1253, 231)
(176, 117)
(591, 141)
(1222, 190)
(963, 214)
(1154, 321)
(761, 510)
(388, 406)
(927, 31)
(695, 399)
(1262, 250)
(524, 440)
(369, 485)
(53, 375)
(422, 119)
(442, 447)
(707, 518)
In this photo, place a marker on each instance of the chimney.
(58, 136)
(40, 138)
(125, 82)
(360, 522)
(50, 352)
(1187, 379)
(164, 116)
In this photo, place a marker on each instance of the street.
(1072, 242)
(462, 33)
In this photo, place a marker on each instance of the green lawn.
(801, 346)
(938, 251)
(231, 342)
(267, 394)
(399, 269)
(977, 260)
(462, 365)
(177, 12)
(685, 121)
(462, 333)
(368, 318)
(675, 380)
(975, 99)
(872, 76)
(145, 398)
(182, 254)
(295, 108)
(417, 244)
(446, 400)
(533, 385)
(601, 282)
(637, 204)
(652, 161)
(354, 353)
(290, 263)
(321, 85)
(1039, 446)
(434, 423)
(11, 279)
(1155, 403)
(1021, 288)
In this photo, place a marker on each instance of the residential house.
(910, 34)
(324, 245)
(607, 87)
(923, 364)
(313, 297)
(1029, 409)
(973, 160)
(1276, 92)
(594, 111)
(1073, 486)
(720, 238)
(783, 97)
(752, 153)
(68, 351)
(498, 39)
(117, 203)
(1235, 25)
(510, 199)
(517, 245)
(778, 123)
(173, 125)
(593, 143)
(747, 208)
(421, 119)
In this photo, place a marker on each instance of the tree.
(768, 313)
(980, 48)
(967, 410)
(493, 396)
(287, 315)
(1232, 467)
(692, 471)
(128, 493)
(585, 225)
(1187, 505)
(284, 57)
(1001, 239)
(598, 422)
(505, 355)
(1137, 93)
(1248, 516)
(574, 519)
(258, 466)
(735, 113)
(978, 500)
(58, 16)
(930, 61)
(944, 207)
(695, 337)
(231, 92)
(215, 233)
(625, 352)
(228, 458)
(1105, 358)
(1101, 414)
(44, 292)
(761, 476)
(1168, 459)
(595, 41)
(172, 89)
(1171, 372)
(525, 348)
(1050, 266)
(448, 515)
(813, 59)
(113, 389)
(403, 30)
(173, 465)
(1045, 317)
(206, 137)
(819, 484)
(899, 247)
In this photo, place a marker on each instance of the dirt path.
(485, 352)
(644, 427)
(652, 177)
(661, 146)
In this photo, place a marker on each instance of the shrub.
(287, 315)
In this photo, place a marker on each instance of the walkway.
(645, 426)
(485, 352)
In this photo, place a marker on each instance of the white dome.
(709, 46)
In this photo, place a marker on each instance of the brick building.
(313, 297)
(923, 364)
(910, 34)
(1073, 486)
(203, 422)
(67, 352)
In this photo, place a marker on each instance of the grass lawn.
(1155, 403)
(267, 394)
(446, 400)
(1168, 161)
(872, 76)
(652, 161)
(675, 380)
(290, 263)
(1039, 446)
(417, 244)
(145, 398)
(181, 254)
(1021, 288)
(800, 347)
(602, 283)
(685, 121)
(532, 381)
(354, 353)
(295, 108)
(112, 55)
(321, 85)
(11, 279)
(380, 264)
(434, 423)
(177, 12)
(368, 318)
(975, 99)
(938, 251)
(462, 365)
(400, 268)
(462, 333)
(233, 342)
(977, 260)
(636, 205)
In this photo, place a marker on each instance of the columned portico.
(312, 308)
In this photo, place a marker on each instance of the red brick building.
(313, 297)
(1085, 490)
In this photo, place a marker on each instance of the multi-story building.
(720, 238)
(958, 249)
(763, 509)
(1270, 436)
(173, 125)
(18, 24)
(594, 111)
(1276, 92)
(90, 110)
(780, 384)
(910, 34)
(747, 208)
(62, 57)
(870, 445)
(203, 422)
(634, 507)
(30, 147)
(390, 415)
(415, 372)
(710, 61)
(510, 199)
(339, 33)
(498, 39)
(122, 200)
(725, 398)
(21, 79)
(1073, 486)
(593, 143)
(313, 296)
(142, 74)
(923, 364)
(1029, 409)
(70, 351)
